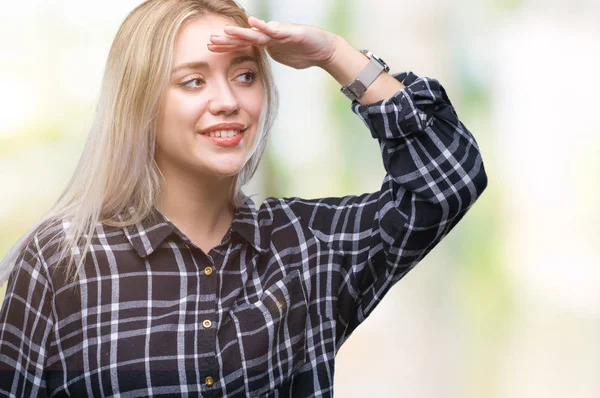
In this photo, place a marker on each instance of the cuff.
(408, 111)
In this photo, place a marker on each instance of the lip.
(224, 126)
(226, 141)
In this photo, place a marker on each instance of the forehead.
(194, 35)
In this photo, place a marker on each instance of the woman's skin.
(198, 173)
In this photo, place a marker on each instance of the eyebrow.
(201, 64)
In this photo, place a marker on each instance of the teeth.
(223, 133)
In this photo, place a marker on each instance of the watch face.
(381, 61)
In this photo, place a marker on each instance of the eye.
(187, 83)
(250, 75)
(197, 82)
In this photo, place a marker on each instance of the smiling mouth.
(225, 138)
(224, 133)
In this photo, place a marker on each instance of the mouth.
(225, 138)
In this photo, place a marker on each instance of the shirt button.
(206, 323)
(208, 270)
(209, 381)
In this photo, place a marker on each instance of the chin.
(221, 171)
(223, 165)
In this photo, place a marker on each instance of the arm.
(434, 174)
(26, 323)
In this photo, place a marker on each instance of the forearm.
(346, 64)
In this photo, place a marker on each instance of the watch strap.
(366, 77)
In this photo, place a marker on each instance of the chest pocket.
(271, 334)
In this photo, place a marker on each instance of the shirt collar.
(148, 234)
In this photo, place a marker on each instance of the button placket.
(207, 335)
(207, 323)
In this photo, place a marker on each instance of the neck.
(200, 206)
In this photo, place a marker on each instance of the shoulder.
(40, 250)
(45, 241)
(323, 212)
(306, 207)
(30, 258)
(47, 249)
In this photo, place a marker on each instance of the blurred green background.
(508, 304)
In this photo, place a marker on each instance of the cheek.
(181, 111)
(253, 103)
(179, 116)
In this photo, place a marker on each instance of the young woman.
(155, 275)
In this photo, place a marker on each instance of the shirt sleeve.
(26, 323)
(434, 174)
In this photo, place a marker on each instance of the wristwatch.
(367, 76)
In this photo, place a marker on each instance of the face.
(208, 88)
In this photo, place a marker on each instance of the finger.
(252, 35)
(220, 48)
(228, 40)
(273, 28)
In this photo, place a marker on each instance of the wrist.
(345, 62)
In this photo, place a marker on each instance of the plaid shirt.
(263, 313)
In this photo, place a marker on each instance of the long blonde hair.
(117, 181)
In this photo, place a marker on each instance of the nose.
(223, 99)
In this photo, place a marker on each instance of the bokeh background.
(508, 304)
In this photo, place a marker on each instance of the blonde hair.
(117, 181)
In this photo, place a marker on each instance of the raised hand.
(295, 45)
